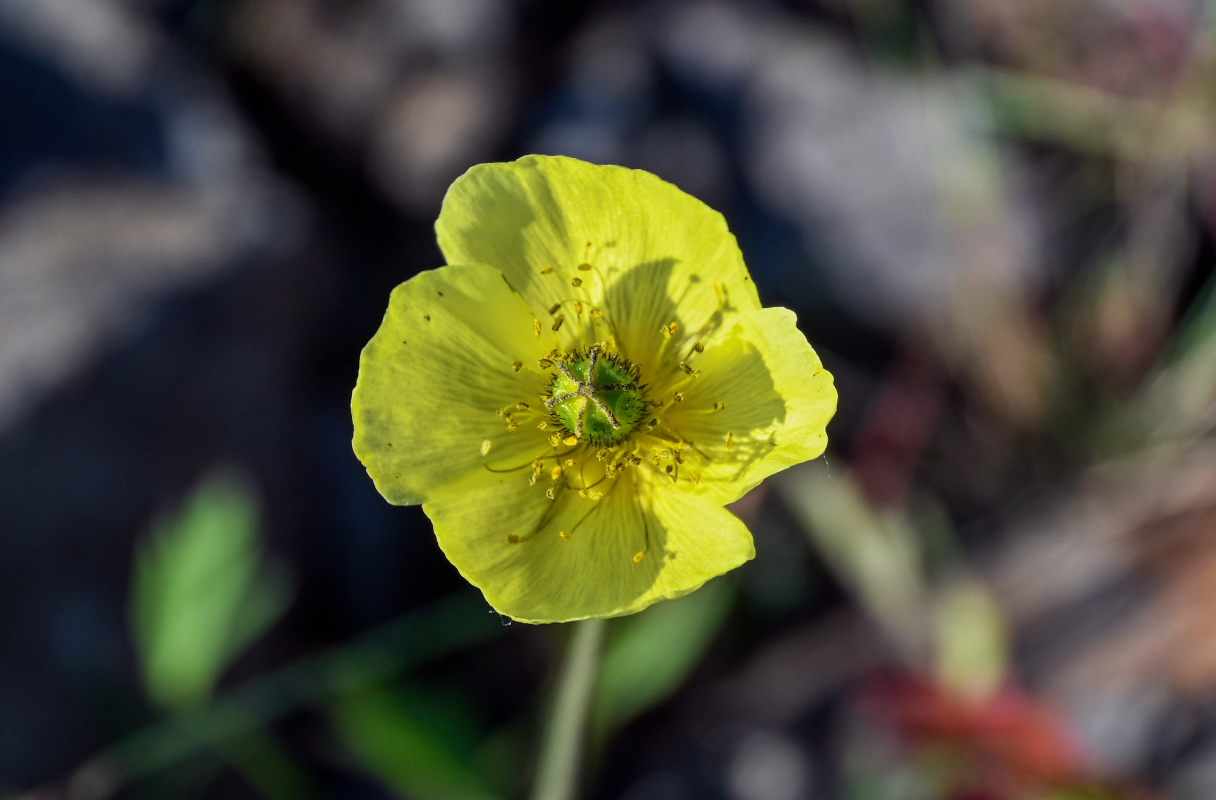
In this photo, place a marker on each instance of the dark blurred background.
(994, 219)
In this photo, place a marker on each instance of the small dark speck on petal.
(426, 317)
(441, 294)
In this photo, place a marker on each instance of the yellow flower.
(576, 397)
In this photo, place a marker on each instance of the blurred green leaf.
(648, 655)
(199, 593)
(1182, 399)
(422, 745)
(875, 553)
(972, 645)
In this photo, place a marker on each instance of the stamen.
(536, 326)
(553, 309)
(557, 323)
(564, 534)
(517, 366)
(585, 267)
(576, 282)
(719, 406)
(486, 444)
(546, 271)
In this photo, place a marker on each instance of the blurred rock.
(94, 227)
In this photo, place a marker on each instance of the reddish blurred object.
(1010, 745)
(895, 431)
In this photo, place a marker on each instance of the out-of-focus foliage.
(201, 593)
(422, 744)
(648, 656)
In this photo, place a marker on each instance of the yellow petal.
(540, 560)
(650, 254)
(434, 376)
(761, 403)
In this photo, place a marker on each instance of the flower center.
(595, 396)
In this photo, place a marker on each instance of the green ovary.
(613, 388)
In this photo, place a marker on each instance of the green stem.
(562, 749)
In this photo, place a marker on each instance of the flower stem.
(565, 733)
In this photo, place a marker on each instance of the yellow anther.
(546, 270)
(597, 313)
(585, 267)
(564, 534)
(638, 556)
(576, 282)
(689, 370)
(512, 427)
(652, 424)
(569, 462)
(602, 453)
(578, 307)
(522, 406)
(543, 425)
(486, 444)
(678, 397)
(670, 329)
(557, 323)
(555, 439)
(570, 441)
(696, 477)
(590, 494)
(719, 406)
(545, 363)
(536, 326)
(549, 493)
(555, 473)
(718, 290)
(730, 440)
(517, 366)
